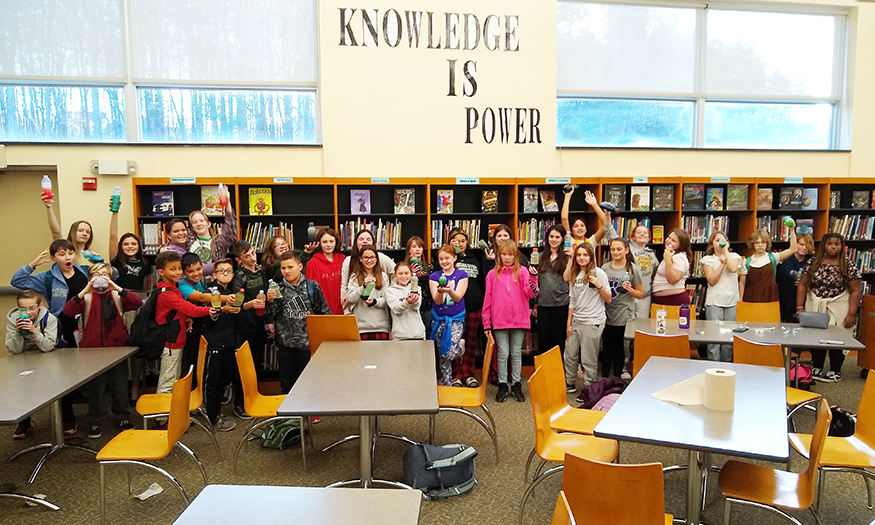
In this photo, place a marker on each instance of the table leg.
(787, 366)
(695, 478)
(366, 451)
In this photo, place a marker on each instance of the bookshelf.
(468, 209)
(390, 230)
(852, 214)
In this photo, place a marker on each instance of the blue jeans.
(717, 313)
(509, 341)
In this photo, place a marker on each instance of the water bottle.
(215, 302)
(535, 259)
(100, 284)
(414, 284)
(22, 315)
(224, 195)
(569, 187)
(660, 321)
(116, 199)
(47, 188)
(789, 221)
(442, 280)
(684, 317)
(569, 240)
(260, 297)
(311, 233)
(271, 285)
(415, 265)
(239, 297)
(625, 279)
(366, 294)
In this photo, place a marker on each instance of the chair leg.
(529, 464)
(821, 483)
(494, 430)
(304, 441)
(537, 481)
(102, 496)
(816, 516)
(479, 420)
(209, 430)
(727, 512)
(130, 481)
(253, 426)
(200, 465)
(431, 422)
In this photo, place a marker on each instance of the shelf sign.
(720, 179)
(283, 180)
(792, 180)
(467, 180)
(558, 181)
(639, 180)
(183, 180)
(379, 180)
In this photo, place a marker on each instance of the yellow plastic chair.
(552, 446)
(136, 447)
(564, 417)
(321, 328)
(671, 312)
(598, 493)
(852, 454)
(152, 406)
(649, 345)
(460, 399)
(258, 406)
(758, 312)
(562, 513)
(764, 487)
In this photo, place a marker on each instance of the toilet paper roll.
(720, 389)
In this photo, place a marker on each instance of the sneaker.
(226, 397)
(570, 389)
(817, 373)
(501, 395)
(70, 428)
(581, 398)
(831, 377)
(456, 382)
(626, 376)
(240, 412)
(224, 424)
(517, 390)
(471, 382)
(94, 432)
(125, 424)
(21, 430)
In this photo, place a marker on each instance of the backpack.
(281, 433)
(592, 394)
(147, 334)
(771, 258)
(804, 379)
(843, 422)
(440, 472)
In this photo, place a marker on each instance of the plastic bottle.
(22, 315)
(224, 195)
(416, 265)
(535, 259)
(47, 188)
(684, 317)
(260, 297)
(442, 280)
(660, 321)
(569, 187)
(239, 297)
(311, 233)
(116, 199)
(789, 221)
(272, 285)
(215, 302)
(569, 240)
(625, 279)
(366, 294)
(414, 284)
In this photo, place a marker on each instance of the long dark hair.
(630, 259)
(121, 254)
(500, 228)
(354, 253)
(821, 251)
(360, 271)
(684, 245)
(558, 264)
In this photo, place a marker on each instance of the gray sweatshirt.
(406, 321)
(45, 338)
(369, 318)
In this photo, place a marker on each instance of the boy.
(221, 336)
(299, 298)
(193, 290)
(250, 326)
(41, 329)
(169, 265)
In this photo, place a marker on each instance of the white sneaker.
(626, 376)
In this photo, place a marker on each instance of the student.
(249, 277)
(207, 247)
(500, 234)
(506, 315)
(552, 304)
(720, 265)
(369, 306)
(273, 249)
(670, 282)
(589, 292)
(177, 237)
(287, 318)
(415, 256)
(326, 267)
(169, 265)
(102, 304)
(578, 227)
(39, 330)
(757, 283)
(647, 262)
(80, 234)
(348, 267)
(448, 311)
(830, 283)
(463, 370)
(220, 331)
(789, 273)
(194, 290)
(625, 285)
(404, 304)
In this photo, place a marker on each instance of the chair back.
(671, 312)
(808, 479)
(758, 312)
(562, 513)
(649, 345)
(321, 328)
(248, 379)
(539, 396)
(179, 419)
(865, 429)
(197, 395)
(598, 493)
(487, 362)
(550, 364)
(760, 354)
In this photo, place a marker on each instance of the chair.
(152, 406)
(671, 312)
(767, 488)
(552, 446)
(649, 345)
(852, 454)
(758, 312)
(562, 513)
(598, 492)
(460, 399)
(257, 405)
(563, 417)
(321, 328)
(139, 446)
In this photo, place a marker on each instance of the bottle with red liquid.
(224, 195)
(47, 188)
(260, 297)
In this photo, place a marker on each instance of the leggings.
(613, 355)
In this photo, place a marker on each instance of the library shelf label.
(283, 180)
(566, 180)
(639, 180)
(467, 180)
(792, 180)
(183, 180)
(379, 180)
(720, 179)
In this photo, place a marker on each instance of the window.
(642, 76)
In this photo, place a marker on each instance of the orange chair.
(563, 417)
(460, 399)
(758, 486)
(257, 405)
(152, 406)
(321, 328)
(671, 312)
(552, 446)
(138, 446)
(598, 493)
(649, 345)
(562, 513)
(852, 454)
(758, 312)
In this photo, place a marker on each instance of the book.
(548, 201)
(764, 198)
(489, 201)
(360, 202)
(640, 198)
(210, 200)
(694, 197)
(872, 201)
(162, 203)
(530, 200)
(659, 234)
(860, 199)
(405, 201)
(663, 198)
(835, 199)
(805, 227)
(736, 197)
(790, 198)
(809, 199)
(616, 195)
(445, 201)
(714, 198)
(260, 201)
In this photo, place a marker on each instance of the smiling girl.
(362, 238)
(203, 244)
(720, 265)
(625, 285)
(421, 269)
(366, 292)
(448, 286)
(326, 266)
(669, 284)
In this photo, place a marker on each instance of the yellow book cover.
(658, 233)
(260, 201)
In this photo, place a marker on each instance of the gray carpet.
(70, 479)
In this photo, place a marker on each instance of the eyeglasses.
(369, 258)
(226, 271)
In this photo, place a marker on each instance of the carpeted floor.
(70, 479)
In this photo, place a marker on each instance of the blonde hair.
(94, 268)
(758, 235)
(508, 247)
(574, 268)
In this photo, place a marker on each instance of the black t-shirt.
(75, 284)
(222, 332)
(787, 278)
(132, 273)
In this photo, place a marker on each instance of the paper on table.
(688, 392)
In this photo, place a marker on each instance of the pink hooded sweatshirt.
(506, 303)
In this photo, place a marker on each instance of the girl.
(757, 283)
(506, 310)
(325, 268)
(448, 286)
(421, 269)
(788, 276)
(80, 235)
(830, 283)
(177, 237)
(404, 303)
(589, 292)
(367, 299)
(625, 286)
(647, 262)
(205, 246)
(720, 266)
(669, 284)
(463, 372)
(501, 234)
(362, 238)
(552, 303)
(578, 227)
(273, 249)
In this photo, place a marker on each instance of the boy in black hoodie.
(221, 335)
(249, 277)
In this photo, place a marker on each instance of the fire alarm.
(89, 183)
